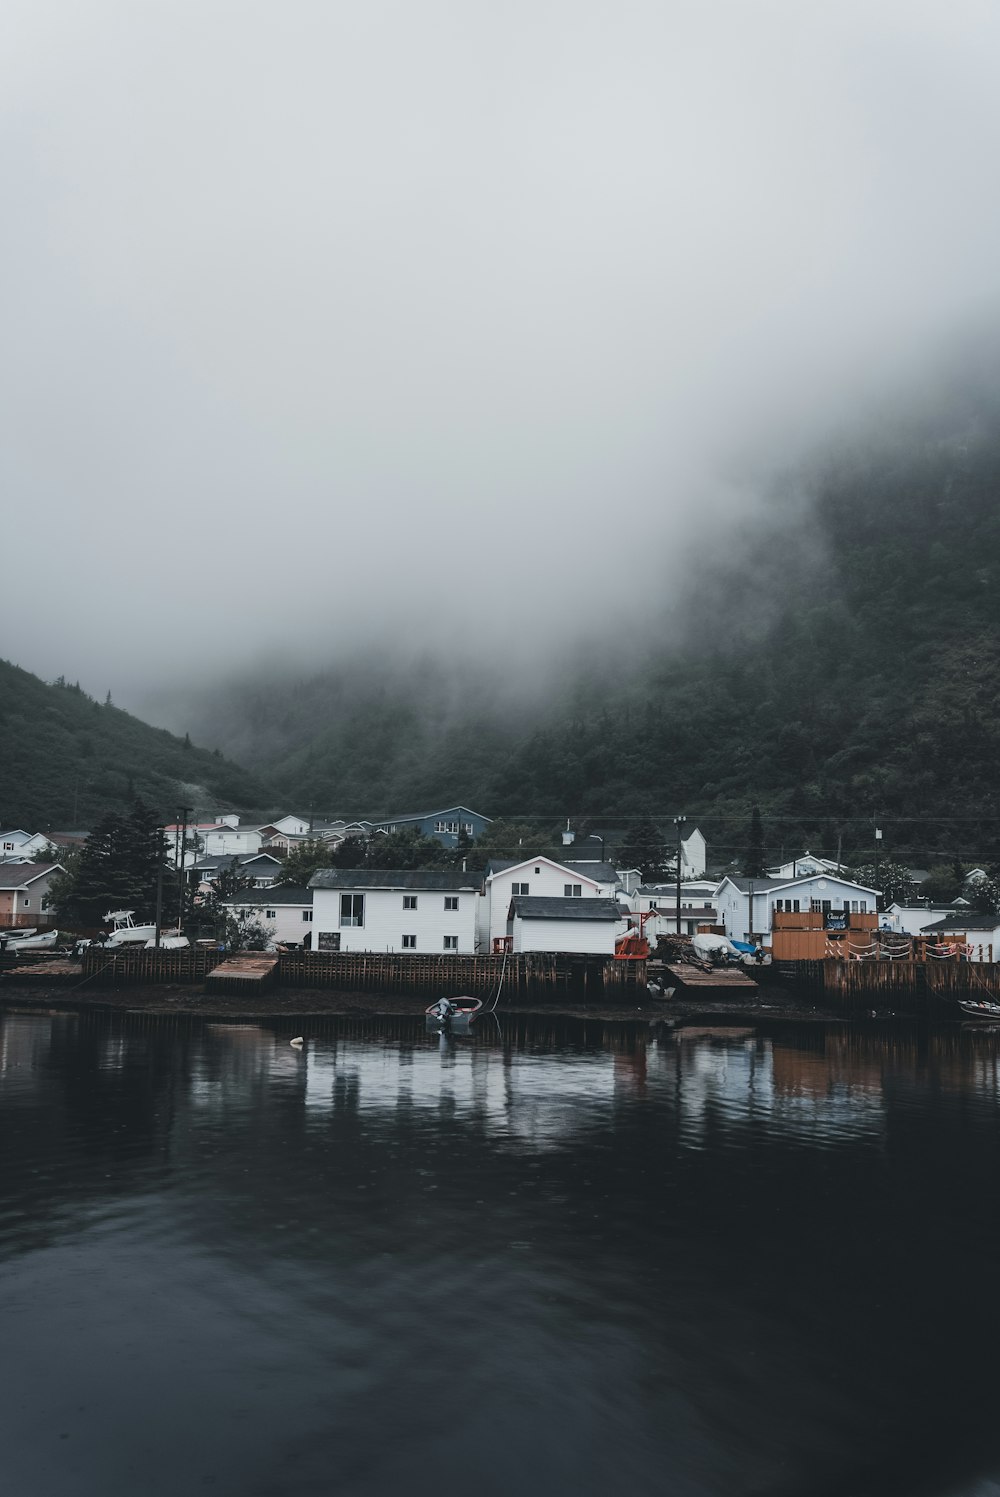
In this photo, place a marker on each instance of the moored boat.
(979, 1008)
(452, 1014)
(31, 941)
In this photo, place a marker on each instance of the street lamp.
(679, 823)
(596, 837)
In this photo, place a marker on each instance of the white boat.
(31, 942)
(171, 942)
(124, 931)
(979, 1008)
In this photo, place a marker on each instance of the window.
(651, 903)
(854, 906)
(451, 943)
(451, 901)
(815, 907)
(409, 901)
(352, 909)
(827, 906)
(409, 943)
(572, 891)
(519, 888)
(270, 914)
(864, 907)
(468, 828)
(27, 904)
(440, 826)
(307, 915)
(538, 870)
(795, 906)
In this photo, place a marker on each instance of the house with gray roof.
(425, 910)
(287, 909)
(547, 923)
(967, 928)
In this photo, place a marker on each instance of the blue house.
(446, 825)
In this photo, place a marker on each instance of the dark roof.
(761, 885)
(277, 894)
(601, 873)
(216, 860)
(531, 907)
(963, 920)
(394, 878)
(16, 875)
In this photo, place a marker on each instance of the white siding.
(287, 920)
(594, 936)
(227, 841)
(734, 905)
(549, 880)
(386, 921)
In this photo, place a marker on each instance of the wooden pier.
(929, 989)
(244, 972)
(728, 978)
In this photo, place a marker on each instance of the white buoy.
(297, 1042)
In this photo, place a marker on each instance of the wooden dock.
(55, 970)
(690, 976)
(246, 972)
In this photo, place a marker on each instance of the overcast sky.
(323, 318)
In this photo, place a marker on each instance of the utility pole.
(878, 839)
(183, 813)
(159, 883)
(679, 822)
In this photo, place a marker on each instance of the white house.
(695, 894)
(911, 919)
(288, 909)
(537, 877)
(564, 924)
(746, 905)
(19, 846)
(263, 867)
(981, 932)
(693, 849)
(804, 864)
(24, 892)
(426, 910)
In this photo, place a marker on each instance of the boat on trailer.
(452, 1015)
(124, 931)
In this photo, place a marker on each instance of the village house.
(263, 867)
(746, 906)
(446, 826)
(910, 919)
(563, 924)
(19, 846)
(24, 893)
(803, 864)
(980, 933)
(536, 877)
(288, 910)
(425, 910)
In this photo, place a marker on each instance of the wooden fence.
(928, 988)
(125, 968)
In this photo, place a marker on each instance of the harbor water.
(552, 1258)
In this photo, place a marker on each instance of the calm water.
(545, 1261)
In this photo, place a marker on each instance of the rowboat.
(452, 1014)
(30, 942)
(979, 1008)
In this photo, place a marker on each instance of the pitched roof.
(277, 894)
(225, 860)
(17, 875)
(394, 878)
(426, 815)
(540, 907)
(963, 920)
(601, 873)
(762, 885)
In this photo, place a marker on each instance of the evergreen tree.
(753, 858)
(119, 867)
(645, 849)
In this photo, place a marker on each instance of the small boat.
(979, 1008)
(31, 941)
(169, 941)
(452, 1014)
(124, 931)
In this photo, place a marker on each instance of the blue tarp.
(742, 946)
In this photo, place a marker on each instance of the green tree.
(248, 933)
(754, 865)
(118, 868)
(409, 849)
(892, 880)
(644, 848)
(942, 884)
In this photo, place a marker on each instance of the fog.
(449, 325)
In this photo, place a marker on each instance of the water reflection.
(556, 1257)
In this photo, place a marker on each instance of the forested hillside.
(839, 666)
(66, 760)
